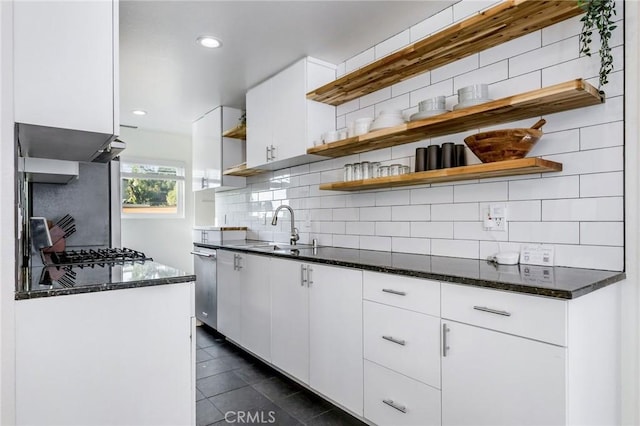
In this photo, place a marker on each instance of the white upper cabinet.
(66, 76)
(213, 153)
(281, 122)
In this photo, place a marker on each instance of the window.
(152, 188)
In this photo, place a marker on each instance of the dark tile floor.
(233, 387)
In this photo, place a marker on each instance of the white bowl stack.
(475, 94)
(430, 107)
(388, 119)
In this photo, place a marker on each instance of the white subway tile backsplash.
(393, 229)
(467, 8)
(456, 68)
(455, 248)
(341, 69)
(392, 198)
(410, 245)
(544, 188)
(432, 229)
(545, 232)
(411, 213)
(592, 257)
(495, 191)
(475, 231)
(581, 209)
(602, 184)
(602, 233)
(375, 213)
(488, 74)
(455, 212)
(375, 243)
(431, 24)
(360, 60)
(511, 48)
(433, 195)
(602, 136)
(411, 84)
(544, 57)
(392, 44)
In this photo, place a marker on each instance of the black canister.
(448, 155)
(421, 159)
(461, 157)
(433, 157)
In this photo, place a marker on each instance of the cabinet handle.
(197, 253)
(445, 347)
(239, 264)
(395, 405)
(268, 153)
(202, 182)
(394, 340)
(205, 314)
(492, 311)
(309, 279)
(399, 293)
(273, 152)
(303, 280)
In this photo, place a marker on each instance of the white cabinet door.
(259, 123)
(206, 140)
(290, 318)
(121, 357)
(335, 323)
(255, 309)
(65, 64)
(290, 112)
(491, 378)
(228, 295)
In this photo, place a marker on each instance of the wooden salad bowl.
(507, 144)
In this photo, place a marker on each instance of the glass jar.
(348, 172)
(383, 171)
(405, 170)
(366, 169)
(394, 169)
(374, 169)
(357, 171)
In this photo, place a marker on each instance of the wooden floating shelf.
(522, 166)
(496, 25)
(560, 97)
(242, 170)
(239, 132)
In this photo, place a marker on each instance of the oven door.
(204, 265)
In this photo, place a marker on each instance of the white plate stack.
(429, 108)
(388, 119)
(475, 94)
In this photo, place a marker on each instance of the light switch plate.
(537, 254)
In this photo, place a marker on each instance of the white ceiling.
(164, 72)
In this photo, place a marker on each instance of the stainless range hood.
(110, 152)
(46, 170)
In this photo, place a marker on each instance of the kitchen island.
(116, 347)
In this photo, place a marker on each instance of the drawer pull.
(399, 293)
(445, 346)
(394, 340)
(492, 311)
(395, 405)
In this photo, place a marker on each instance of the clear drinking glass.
(394, 169)
(383, 171)
(357, 171)
(374, 169)
(348, 172)
(366, 169)
(405, 170)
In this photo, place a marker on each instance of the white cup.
(330, 136)
(362, 125)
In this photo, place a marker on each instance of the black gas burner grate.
(92, 257)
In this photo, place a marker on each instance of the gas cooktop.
(92, 257)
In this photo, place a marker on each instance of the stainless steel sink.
(276, 247)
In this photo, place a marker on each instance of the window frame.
(180, 179)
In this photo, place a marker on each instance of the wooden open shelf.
(560, 97)
(522, 166)
(242, 170)
(238, 132)
(496, 25)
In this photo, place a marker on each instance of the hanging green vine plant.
(598, 15)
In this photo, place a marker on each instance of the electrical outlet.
(494, 217)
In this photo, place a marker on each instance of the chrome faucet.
(294, 231)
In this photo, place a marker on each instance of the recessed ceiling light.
(139, 112)
(210, 42)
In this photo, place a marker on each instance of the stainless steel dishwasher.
(204, 265)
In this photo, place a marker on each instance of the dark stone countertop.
(557, 282)
(99, 278)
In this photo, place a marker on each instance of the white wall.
(167, 241)
(580, 211)
(7, 219)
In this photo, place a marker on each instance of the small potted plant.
(598, 16)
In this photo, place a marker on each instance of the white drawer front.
(415, 294)
(534, 317)
(405, 341)
(416, 403)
